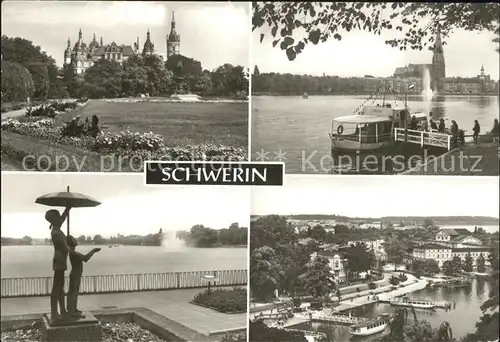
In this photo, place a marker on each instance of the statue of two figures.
(64, 246)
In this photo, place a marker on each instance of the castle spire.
(148, 35)
(173, 18)
(69, 43)
(80, 34)
(101, 41)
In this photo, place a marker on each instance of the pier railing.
(423, 138)
(42, 286)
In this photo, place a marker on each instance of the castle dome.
(94, 44)
(148, 45)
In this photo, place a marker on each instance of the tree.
(99, 240)
(27, 240)
(468, 263)
(396, 251)
(428, 223)
(318, 233)
(480, 263)
(493, 258)
(394, 281)
(256, 70)
(17, 82)
(81, 239)
(270, 231)
(264, 272)
(200, 236)
(427, 266)
(317, 277)
(452, 267)
(320, 22)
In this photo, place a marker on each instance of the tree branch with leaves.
(294, 25)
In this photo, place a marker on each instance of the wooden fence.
(42, 286)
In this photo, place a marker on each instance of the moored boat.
(370, 127)
(371, 326)
(415, 303)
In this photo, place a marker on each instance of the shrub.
(372, 285)
(403, 277)
(46, 111)
(128, 141)
(223, 300)
(235, 337)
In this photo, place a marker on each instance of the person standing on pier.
(454, 132)
(59, 262)
(476, 129)
(433, 125)
(441, 126)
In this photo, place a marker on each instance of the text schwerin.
(223, 175)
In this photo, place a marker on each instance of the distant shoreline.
(368, 93)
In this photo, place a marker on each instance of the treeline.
(201, 236)
(29, 71)
(289, 84)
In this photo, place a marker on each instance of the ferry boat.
(415, 303)
(371, 127)
(305, 96)
(370, 327)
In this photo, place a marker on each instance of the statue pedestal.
(82, 329)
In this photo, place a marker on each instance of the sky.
(214, 33)
(128, 207)
(378, 196)
(362, 53)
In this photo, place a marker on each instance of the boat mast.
(385, 89)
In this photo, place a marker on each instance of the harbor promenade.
(172, 304)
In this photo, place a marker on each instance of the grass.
(180, 124)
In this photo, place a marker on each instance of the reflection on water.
(462, 316)
(300, 127)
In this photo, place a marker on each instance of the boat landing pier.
(423, 139)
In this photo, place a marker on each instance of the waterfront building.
(433, 251)
(337, 263)
(450, 243)
(481, 84)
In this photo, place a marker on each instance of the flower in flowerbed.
(111, 332)
(223, 300)
(128, 140)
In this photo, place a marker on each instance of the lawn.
(190, 131)
(180, 124)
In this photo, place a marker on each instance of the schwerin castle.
(413, 74)
(83, 56)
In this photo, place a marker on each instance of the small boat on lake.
(305, 96)
(415, 303)
(371, 326)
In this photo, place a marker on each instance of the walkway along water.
(41, 286)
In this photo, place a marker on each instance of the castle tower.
(67, 53)
(149, 47)
(173, 40)
(93, 44)
(101, 42)
(482, 70)
(438, 65)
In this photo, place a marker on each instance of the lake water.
(36, 261)
(462, 317)
(299, 127)
(487, 228)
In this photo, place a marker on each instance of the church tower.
(67, 53)
(438, 65)
(149, 47)
(173, 40)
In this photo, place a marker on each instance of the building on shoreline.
(448, 244)
(337, 263)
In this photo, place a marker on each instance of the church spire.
(101, 41)
(173, 19)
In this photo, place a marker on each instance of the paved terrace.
(172, 304)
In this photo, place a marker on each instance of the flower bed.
(111, 332)
(223, 300)
(136, 147)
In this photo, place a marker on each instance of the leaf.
(274, 30)
(314, 36)
(290, 53)
(337, 36)
(312, 11)
(288, 41)
(394, 5)
(276, 42)
(298, 23)
(261, 37)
